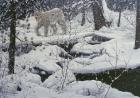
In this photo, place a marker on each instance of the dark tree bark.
(120, 9)
(12, 38)
(137, 39)
(119, 20)
(83, 17)
(99, 19)
(50, 4)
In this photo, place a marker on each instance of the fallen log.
(26, 46)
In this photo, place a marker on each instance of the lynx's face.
(37, 15)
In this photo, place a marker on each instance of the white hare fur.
(50, 18)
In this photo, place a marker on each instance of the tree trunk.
(83, 17)
(119, 20)
(137, 39)
(50, 4)
(99, 19)
(11, 49)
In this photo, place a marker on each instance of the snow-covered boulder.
(43, 57)
(29, 77)
(59, 79)
(85, 48)
(9, 84)
(13, 83)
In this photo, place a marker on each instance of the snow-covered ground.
(116, 53)
(113, 54)
(78, 89)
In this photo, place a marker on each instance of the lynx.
(50, 18)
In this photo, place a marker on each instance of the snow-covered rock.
(96, 89)
(85, 48)
(44, 57)
(59, 79)
(29, 77)
(15, 82)
(9, 84)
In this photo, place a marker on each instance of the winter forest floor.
(84, 63)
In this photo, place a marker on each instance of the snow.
(119, 49)
(44, 57)
(86, 48)
(9, 84)
(59, 79)
(78, 89)
(113, 54)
